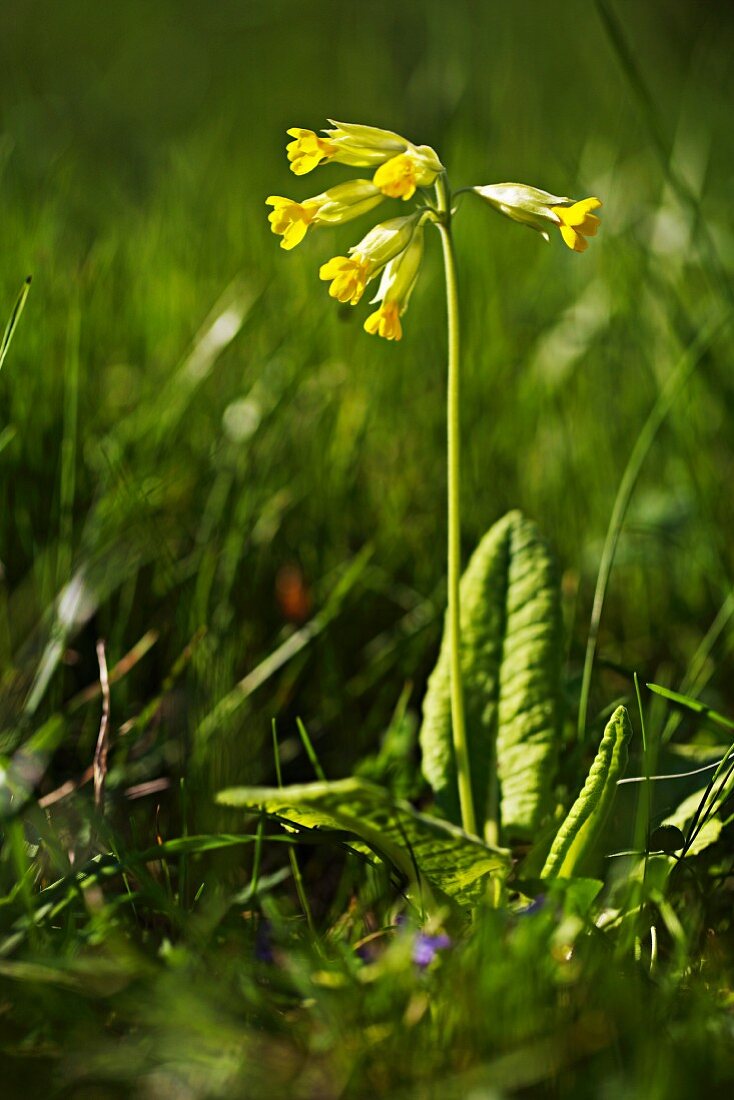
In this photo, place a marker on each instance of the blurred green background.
(196, 441)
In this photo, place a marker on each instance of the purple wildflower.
(425, 947)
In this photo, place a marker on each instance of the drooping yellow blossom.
(349, 275)
(358, 146)
(307, 151)
(538, 209)
(401, 175)
(291, 219)
(385, 322)
(578, 223)
(396, 286)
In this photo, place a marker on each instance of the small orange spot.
(293, 596)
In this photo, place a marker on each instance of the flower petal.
(576, 214)
(397, 177)
(590, 225)
(294, 234)
(333, 267)
(385, 322)
(573, 239)
(307, 151)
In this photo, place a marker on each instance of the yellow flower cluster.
(393, 249)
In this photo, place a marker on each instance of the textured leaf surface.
(511, 653)
(454, 862)
(578, 834)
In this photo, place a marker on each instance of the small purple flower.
(425, 947)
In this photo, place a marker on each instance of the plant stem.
(458, 724)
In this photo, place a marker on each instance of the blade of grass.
(13, 320)
(644, 812)
(708, 803)
(230, 703)
(696, 677)
(291, 850)
(693, 704)
(660, 410)
(662, 146)
(710, 796)
(23, 868)
(310, 750)
(7, 435)
(67, 482)
(183, 863)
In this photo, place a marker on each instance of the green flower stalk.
(453, 465)
(393, 250)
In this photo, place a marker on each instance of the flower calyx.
(291, 220)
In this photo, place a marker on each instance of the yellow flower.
(359, 146)
(578, 223)
(399, 176)
(291, 219)
(385, 322)
(539, 209)
(396, 286)
(307, 150)
(349, 275)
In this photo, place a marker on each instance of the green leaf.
(577, 836)
(511, 661)
(412, 842)
(693, 704)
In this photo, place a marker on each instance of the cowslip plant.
(393, 250)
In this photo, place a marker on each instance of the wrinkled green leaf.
(448, 858)
(511, 654)
(577, 836)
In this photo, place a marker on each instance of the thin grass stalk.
(707, 805)
(697, 675)
(295, 869)
(660, 410)
(645, 810)
(13, 320)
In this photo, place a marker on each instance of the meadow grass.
(212, 470)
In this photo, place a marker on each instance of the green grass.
(188, 422)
